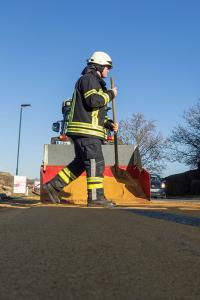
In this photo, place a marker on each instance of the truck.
(130, 187)
(61, 125)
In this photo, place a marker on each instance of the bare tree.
(138, 130)
(185, 139)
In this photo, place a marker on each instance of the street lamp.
(20, 122)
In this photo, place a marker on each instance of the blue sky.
(44, 45)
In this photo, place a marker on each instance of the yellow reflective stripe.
(100, 93)
(85, 131)
(95, 186)
(88, 125)
(85, 128)
(105, 119)
(64, 177)
(69, 173)
(105, 96)
(95, 120)
(95, 179)
(90, 92)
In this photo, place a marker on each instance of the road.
(60, 252)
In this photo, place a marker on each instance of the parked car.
(157, 186)
(3, 196)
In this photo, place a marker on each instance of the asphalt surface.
(52, 252)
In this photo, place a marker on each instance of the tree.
(137, 130)
(185, 139)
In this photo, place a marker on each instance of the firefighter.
(87, 126)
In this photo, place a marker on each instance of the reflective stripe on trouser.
(94, 186)
(66, 175)
(95, 179)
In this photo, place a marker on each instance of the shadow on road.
(21, 201)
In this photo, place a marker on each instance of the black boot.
(53, 187)
(100, 202)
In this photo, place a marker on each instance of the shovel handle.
(115, 133)
(113, 102)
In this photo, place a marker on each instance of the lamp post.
(20, 123)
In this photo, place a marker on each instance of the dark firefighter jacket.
(88, 116)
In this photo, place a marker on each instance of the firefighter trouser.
(89, 157)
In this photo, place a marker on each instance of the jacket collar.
(92, 70)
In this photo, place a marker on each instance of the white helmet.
(100, 58)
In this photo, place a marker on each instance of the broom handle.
(115, 122)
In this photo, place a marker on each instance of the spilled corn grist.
(124, 191)
(129, 186)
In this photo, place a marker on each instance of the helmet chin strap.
(99, 73)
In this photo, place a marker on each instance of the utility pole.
(20, 123)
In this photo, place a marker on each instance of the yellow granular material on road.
(123, 190)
